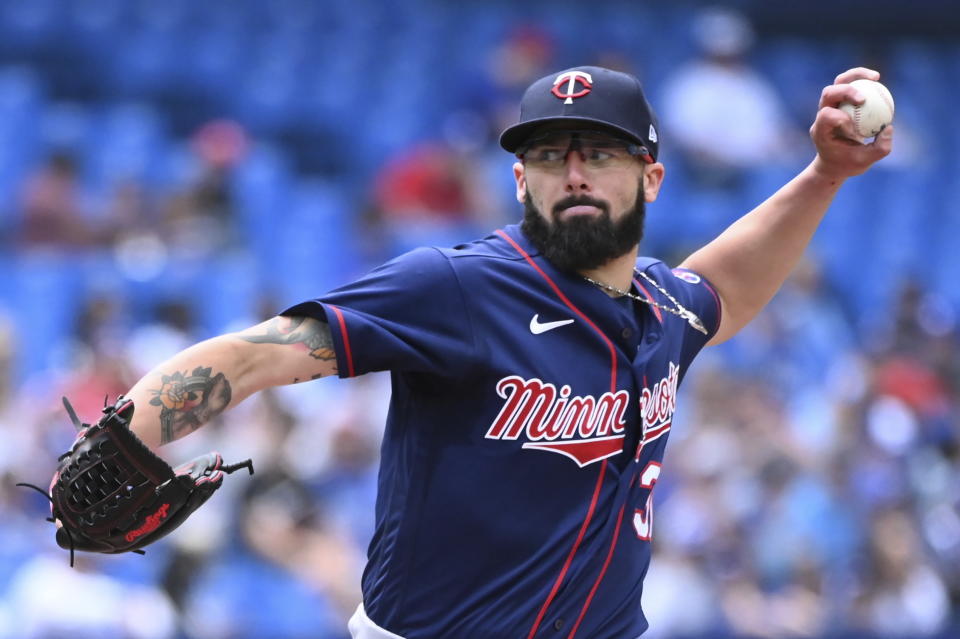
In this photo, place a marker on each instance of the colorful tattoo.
(187, 402)
(313, 334)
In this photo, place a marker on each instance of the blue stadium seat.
(916, 61)
(65, 125)
(175, 166)
(943, 257)
(315, 250)
(150, 63)
(129, 140)
(168, 16)
(329, 92)
(797, 68)
(45, 299)
(224, 14)
(95, 15)
(266, 101)
(22, 96)
(905, 203)
(232, 286)
(21, 100)
(27, 25)
(261, 188)
(251, 599)
(95, 25)
(685, 218)
(217, 55)
(292, 16)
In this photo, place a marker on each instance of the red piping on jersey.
(603, 571)
(656, 311)
(563, 298)
(716, 298)
(603, 466)
(346, 339)
(572, 554)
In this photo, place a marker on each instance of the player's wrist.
(828, 173)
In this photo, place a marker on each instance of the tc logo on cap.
(572, 78)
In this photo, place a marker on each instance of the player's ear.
(521, 177)
(652, 179)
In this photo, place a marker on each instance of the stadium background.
(171, 170)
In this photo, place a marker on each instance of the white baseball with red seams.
(871, 117)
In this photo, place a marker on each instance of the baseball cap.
(601, 98)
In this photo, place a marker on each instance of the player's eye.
(598, 155)
(547, 156)
(606, 156)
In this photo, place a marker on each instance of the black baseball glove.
(112, 494)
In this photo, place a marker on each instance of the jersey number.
(643, 517)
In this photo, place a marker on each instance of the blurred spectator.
(51, 207)
(285, 524)
(49, 599)
(202, 219)
(721, 113)
(488, 103)
(426, 194)
(130, 208)
(7, 354)
(295, 576)
(903, 594)
(527, 53)
(423, 183)
(17, 442)
(171, 329)
(132, 226)
(98, 369)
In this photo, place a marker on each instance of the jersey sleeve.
(409, 315)
(697, 295)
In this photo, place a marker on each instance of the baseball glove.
(112, 494)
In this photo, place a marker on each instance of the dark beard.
(582, 242)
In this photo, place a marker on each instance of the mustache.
(579, 200)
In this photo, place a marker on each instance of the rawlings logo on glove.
(153, 522)
(112, 494)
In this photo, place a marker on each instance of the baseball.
(871, 117)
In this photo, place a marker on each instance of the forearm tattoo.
(188, 401)
(313, 334)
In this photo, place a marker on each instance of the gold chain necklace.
(678, 309)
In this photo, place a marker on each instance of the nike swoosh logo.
(537, 327)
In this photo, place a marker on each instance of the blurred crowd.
(810, 488)
(196, 217)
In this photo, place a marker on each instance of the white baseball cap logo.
(572, 78)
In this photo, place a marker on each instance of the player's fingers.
(883, 143)
(880, 148)
(833, 123)
(857, 73)
(835, 94)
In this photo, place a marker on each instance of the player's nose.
(577, 176)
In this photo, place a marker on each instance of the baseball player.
(535, 371)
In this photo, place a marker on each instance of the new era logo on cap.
(586, 96)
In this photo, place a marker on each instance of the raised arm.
(197, 384)
(749, 261)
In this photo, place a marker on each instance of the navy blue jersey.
(527, 426)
